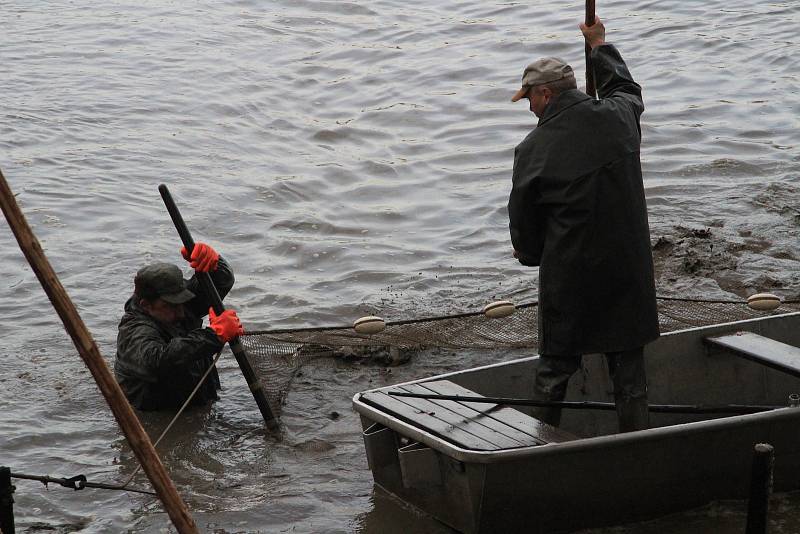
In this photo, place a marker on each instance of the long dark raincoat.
(158, 365)
(577, 210)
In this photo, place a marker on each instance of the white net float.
(369, 325)
(499, 308)
(764, 301)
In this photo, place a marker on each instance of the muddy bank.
(729, 258)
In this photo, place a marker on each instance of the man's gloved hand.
(226, 325)
(203, 259)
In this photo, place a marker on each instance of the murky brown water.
(348, 158)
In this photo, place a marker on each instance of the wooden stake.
(124, 414)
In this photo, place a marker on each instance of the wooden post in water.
(124, 414)
(760, 489)
(6, 501)
(589, 21)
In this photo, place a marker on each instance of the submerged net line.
(277, 355)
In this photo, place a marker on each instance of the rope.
(478, 313)
(79, 482)
(388, 323)
(177, 415)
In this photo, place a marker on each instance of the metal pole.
(592, 405)
(6, 501)
(760, 488)
(83, 341)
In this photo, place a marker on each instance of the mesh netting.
(277, 355)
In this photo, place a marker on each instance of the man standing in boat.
(577, 210)
(162, 348)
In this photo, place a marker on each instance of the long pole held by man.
(589, 21)
(235, 344)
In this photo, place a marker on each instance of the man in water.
(577, 210)
(162, 348)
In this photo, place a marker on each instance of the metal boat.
(483, 468)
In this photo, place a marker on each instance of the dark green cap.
(164, 281)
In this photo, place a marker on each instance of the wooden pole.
(760, 488)
(124, 414)
(591, 405)
(211, 291)
(589, 21)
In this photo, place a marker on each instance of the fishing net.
(277, 355)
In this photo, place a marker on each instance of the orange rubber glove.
(203, 259)
(226, 325)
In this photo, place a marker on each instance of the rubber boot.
(551, 416)
(632, 414)
(552, 377)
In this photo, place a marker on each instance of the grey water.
(348, 158)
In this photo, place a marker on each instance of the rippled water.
(348, 158)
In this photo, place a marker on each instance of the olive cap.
(164, 281)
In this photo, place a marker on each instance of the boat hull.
(606, 478)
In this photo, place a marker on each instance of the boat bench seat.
(470, 425)
(764, 350)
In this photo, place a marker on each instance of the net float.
(499, 308)
(764, 301)
(369, 325)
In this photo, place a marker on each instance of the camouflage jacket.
(157, 364)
